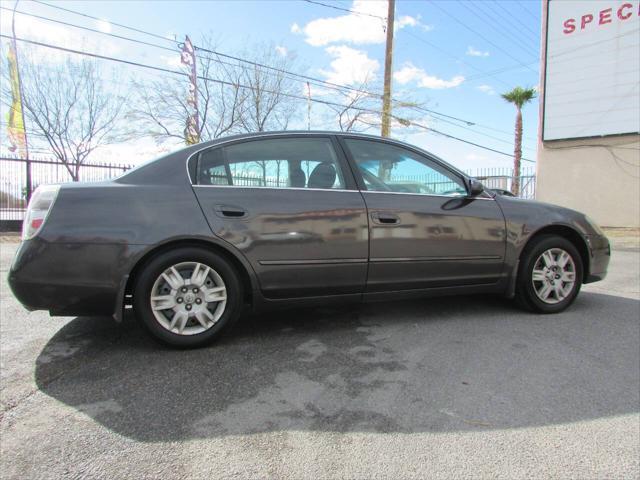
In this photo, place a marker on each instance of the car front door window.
(388, 168)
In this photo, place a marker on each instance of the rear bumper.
(600, 253)
(69, 279)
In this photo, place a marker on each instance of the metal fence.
(19, 177)
(502, 178)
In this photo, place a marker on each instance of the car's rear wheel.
(187, 297)
(550, 275)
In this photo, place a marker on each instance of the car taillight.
(38, 209)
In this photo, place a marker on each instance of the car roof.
(247, 136)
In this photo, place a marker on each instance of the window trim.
(424, 155)
(350, 183)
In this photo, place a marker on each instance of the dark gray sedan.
(292, 218)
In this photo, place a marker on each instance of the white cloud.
(488, 89)
(409, 21)
(406, 21)
(282, 51)
(410, 73)
(353, 28)
(172, 61)
(474, 157)
(350, 66)
(104, 26)
(472, 52)
(315, 91)
(136, 151)
(59, 35)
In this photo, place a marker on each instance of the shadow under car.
(462, 364)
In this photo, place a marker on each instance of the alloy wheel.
(554, 276)
(188, 298)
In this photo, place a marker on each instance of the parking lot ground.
(438, 388)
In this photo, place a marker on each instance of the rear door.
(424, 230)
(290, 205)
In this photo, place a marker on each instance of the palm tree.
(518, 96)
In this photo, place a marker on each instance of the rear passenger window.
(212, 169)
(273, 163)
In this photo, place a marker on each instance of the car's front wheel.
(187, 297)
(550, 275)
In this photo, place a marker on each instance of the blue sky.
(455, 57)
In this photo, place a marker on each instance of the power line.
(435, 4)
(172, 50)
(89, 29)
(533, 14)
(321, 83)
(507, 34)
(167, 70)
(305, 78)
(345, 10)
(500, 70)
(436, 47)
(415, 108)
(291, 75)
(482, 73)
(102, 20)
(468, 142)
(535, 34)
(223, 82)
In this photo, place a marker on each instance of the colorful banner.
(192, 128)
(15, 124)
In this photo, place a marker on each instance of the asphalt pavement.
(442, 388)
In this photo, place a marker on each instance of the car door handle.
(231, 211)
(385, 218)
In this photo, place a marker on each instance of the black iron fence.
(502, 178)
(19, 177)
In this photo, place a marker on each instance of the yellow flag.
(15, 128)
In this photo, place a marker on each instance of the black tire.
(526, 295)
(157, 265)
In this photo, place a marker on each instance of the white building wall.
(600, 177)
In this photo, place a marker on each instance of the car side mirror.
(475, 187)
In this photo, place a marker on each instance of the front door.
(292, 208)
(424, 230)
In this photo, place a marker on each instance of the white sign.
(592, 85)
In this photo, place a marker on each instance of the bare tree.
(233, 97)
(359, 112)
(161, 107)
(70, 107)
(357, 109)
(269, 104)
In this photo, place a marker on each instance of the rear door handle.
(385, 218)
(230, 211)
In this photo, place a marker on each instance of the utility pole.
(388, 64)
(308, 106)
